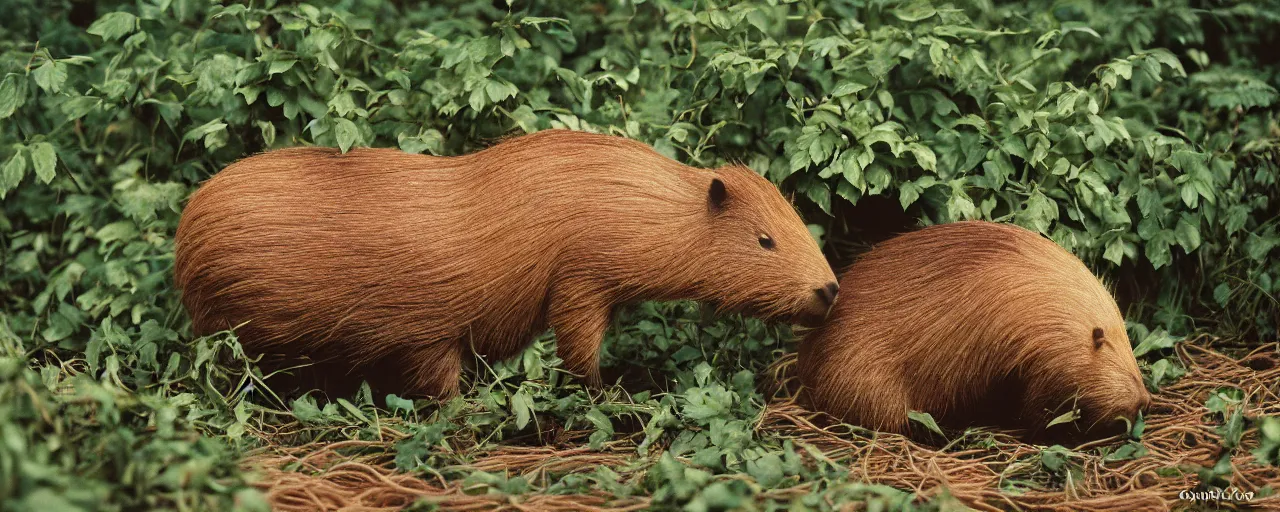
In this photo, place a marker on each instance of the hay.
(1180, 437)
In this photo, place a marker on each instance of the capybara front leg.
(579, 332)
(435, 371)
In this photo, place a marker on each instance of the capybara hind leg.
(435, 372)
(579, 332)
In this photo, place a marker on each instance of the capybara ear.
(1099, 337)
(717, 195)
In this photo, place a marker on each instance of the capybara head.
(1087, 364)
(760, 256)
(976, 323)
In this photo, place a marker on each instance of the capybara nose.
(827, 294)
(1145, 402)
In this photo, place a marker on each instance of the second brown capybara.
(975, 323)
(398, 266)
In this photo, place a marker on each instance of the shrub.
(1142, 138)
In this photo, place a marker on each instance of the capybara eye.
(766, 241)
(1098, 337)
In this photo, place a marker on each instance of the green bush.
(1143, 138)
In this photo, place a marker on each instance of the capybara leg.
(579, 332)
(871, 402)
(435, 371)
(890, 414)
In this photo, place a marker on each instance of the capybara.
(975, 323)
(407, 263)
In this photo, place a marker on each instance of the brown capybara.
(407, 263)
(975, 323)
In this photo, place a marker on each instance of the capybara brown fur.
(975, 323)
(386, 261)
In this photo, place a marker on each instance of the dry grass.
(1180, 437)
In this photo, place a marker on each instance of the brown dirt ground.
(360, 475)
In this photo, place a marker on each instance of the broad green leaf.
(908, 194)
(114, 25)
(767, 470)
(1066, 417)
(1156, 340)
(924, 156)
(11, 175)
(355, 411)
(122, 230)
(44, 159)
(50, 76)
(925, 419)
(346, 132)
(1188, 233)
(12, 94)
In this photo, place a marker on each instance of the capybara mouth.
(1092, 425)
(809, 318)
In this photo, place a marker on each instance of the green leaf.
(280, 66)
(1115, 251)
(847, 88)
(522, 407)
(1158, 251)
(1156, 340)
(917, 11)
(114, 25)
(122, 230)
(44, 159)
(1067, 417)
(604, 428)
(50, 76)
(926, 420)
(306, 411)
(820, 195)
(355, 411)
(12, 94)
(1054, 458)
(1165, 370)
(12, 174)
(908, 194)
(1222, 293)
(924, 156)
(959, 205)
(767, 470)
(346, 132)
(1188, 233)
(599, 420)
(1257, 247)
(206, 130)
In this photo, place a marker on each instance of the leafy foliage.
(1142, 138)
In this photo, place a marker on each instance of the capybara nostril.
(828, 293)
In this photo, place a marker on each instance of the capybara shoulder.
(408, 263)
(975, 323)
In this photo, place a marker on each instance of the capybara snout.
(1117, 398)
(975, 323)
(827, 294)
(824, 297)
